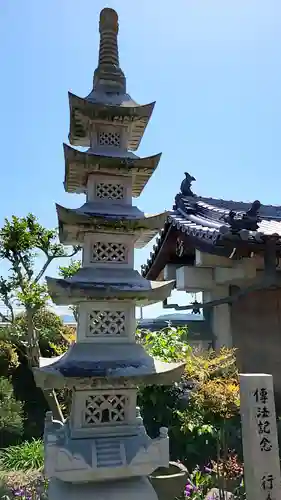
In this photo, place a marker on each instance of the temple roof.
(104, 218)
(217, 226)
(91, 283)
(79, 165)
(108, 99)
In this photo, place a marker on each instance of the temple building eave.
(217, 227)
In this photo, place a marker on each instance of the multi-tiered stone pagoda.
(102, 450)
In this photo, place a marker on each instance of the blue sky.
(213, 67)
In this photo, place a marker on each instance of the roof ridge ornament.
(186, 185)
(185, 191)
(108, 76)
(248, 220)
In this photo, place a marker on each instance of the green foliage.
(23, 234)
(8, 358)
(197, 408)
(26, 456)
(28, 485)
(225, 475)
(34, 402)
(48, 325)
(54, 339)
(67, 272)
(169, 344)
(199, 484)
(11, 420)
(70, 270)
(22, 239)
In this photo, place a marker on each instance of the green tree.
(22, 241)
(11, 417)
(68, 271)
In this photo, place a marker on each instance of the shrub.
(54, 339)
(34, 402)
(28, 485)
(48, 324)
(202, 410)
(26, 456)
(8, 358)
(170, 344)
(11, 420)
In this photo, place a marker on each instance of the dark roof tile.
(203, 219)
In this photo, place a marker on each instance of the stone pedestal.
(138, 488)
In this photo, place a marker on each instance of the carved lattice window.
(107, 138)
(105, 409)
(109, 191)
(107, 323)
(108, 252)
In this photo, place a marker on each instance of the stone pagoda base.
(138, 488)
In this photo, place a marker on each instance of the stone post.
(220, 317)
(260, 442)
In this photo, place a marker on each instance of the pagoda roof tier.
(98, 218)
(91, 283)
(113, 108)
(215, 226)
(79, 165)
(93, 364)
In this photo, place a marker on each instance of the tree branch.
(75, 251)
(44, 268)
(16, 265)
(10, 307)
(28, 271)
(4, 318)
(49, 260)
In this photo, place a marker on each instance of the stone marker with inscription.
(260, 442)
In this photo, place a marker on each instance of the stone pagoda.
(102, 449)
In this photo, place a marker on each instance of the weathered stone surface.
(214, 494)
(102, 450)
(79, 453)
(194, 279)
(91, 284)
(169, 483)
(138, 488)
(260, 442)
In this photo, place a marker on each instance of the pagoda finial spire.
(108, 76)
(108, 53)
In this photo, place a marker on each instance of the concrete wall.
(256, 331)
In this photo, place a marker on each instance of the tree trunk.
(53, 404)
(33, 356)
(33, 349)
